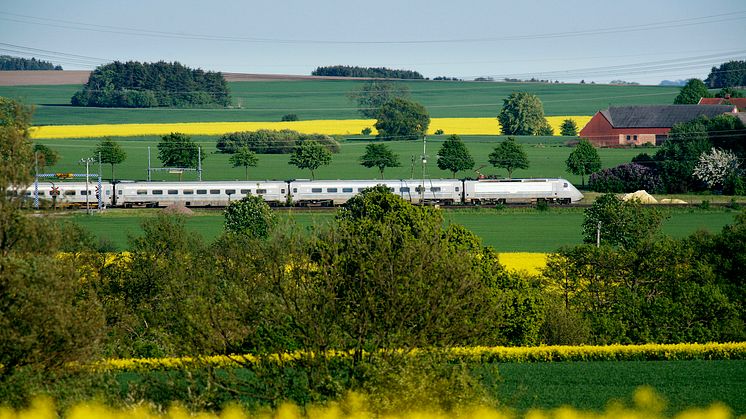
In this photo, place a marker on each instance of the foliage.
(371, 72)
(310, 155)
(266, 141)
(584, 160)
(45, 156)
(380, 156)
(509, 155)
(715, 167)
(692, 92)
(244, 157)
(522, 114)
(400, 119)
(366, 131)
(8, 63)
(111, 153)
(546, 130)
(373, 94)
(569, 128)
(623, 223)
(16, 154)
(730, 74)
(143, 85)
(628, 177)
(290, 117)
(729, 92)
(179, 150)
(679, 155)
(250, 216)
(454, 156)
(727, 132)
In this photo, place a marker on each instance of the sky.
(642, 41)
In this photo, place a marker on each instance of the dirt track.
(44, 77)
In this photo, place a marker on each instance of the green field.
(538, 231)
(547, 157)
(592, 385)
(327, 99)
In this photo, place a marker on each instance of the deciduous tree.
(584, 160)
(310, 155)
(111, 153)
(373, 94)
(454, 156)
(692, 92)
(380, 156)
(45, 156)
(16, 155)
(179, 150)
(401, 119)
(509, 155)
(250, 216)
(622, 223)
(522, 114)
(244, 157)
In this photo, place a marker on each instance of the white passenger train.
(307, 192)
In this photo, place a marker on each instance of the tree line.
(144, 85)
(372, 72)
(9, 63)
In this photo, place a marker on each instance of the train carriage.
(502, 191)
(197, 194)
(337, 192)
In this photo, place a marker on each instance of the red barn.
(637, 125)
(738, 102)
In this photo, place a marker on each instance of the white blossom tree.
(715, 166)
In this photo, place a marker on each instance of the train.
(304, 192)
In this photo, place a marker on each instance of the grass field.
(327, 99)
(592, 385)
(538, 231)
(547, 157)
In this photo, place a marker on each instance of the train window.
(457, 188)
(201, 191)
(295, 190)
(347, 190)
(27, 193)
(120, 192)
(419, 189)
(84, 193)
(188, 192)
(391, 189)
(70, 193)
(142, 192)
(261, 191)
(564, 185)
(41, 193)
(404, 189)
(435, 189)
(245, 191)
(173, 192)
(108, 193)
(230, 191)
(360, 189)
(214, 191)
(157, 191)
(331, 190)
(282, 191)
(316, 190)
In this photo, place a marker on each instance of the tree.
(623, 223)
(111, 153)
(522, 114)
(509, 155)
(45, 156)
(244, 157)
(250, 216)
(584, 160)
(729, 92)
(374, 94)
(310, 155)
(692, 92)
(16, 155)
(715, 167)
(178, 150)
(380, 156)
(680, 153)
(401, 119)
(730, 74)
(569, 128)
(454, 156)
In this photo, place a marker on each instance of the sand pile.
(672, 201)
(178, 208)
(641, 196)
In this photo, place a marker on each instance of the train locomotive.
(307, 192)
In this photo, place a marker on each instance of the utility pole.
(424, 163)
(87, 162)
(598, 234)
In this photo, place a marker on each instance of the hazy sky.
(635, 40)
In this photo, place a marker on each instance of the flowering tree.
(715, 166)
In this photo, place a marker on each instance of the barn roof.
(739, 102)
(660, 116)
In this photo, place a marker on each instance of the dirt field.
(44, 77)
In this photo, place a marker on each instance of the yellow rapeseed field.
(524, 261)
(461, 126)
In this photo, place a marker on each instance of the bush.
(289, 117)
(366, 131)
(629, 177)
(250, 216)
(271, 141)
(439, 132)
